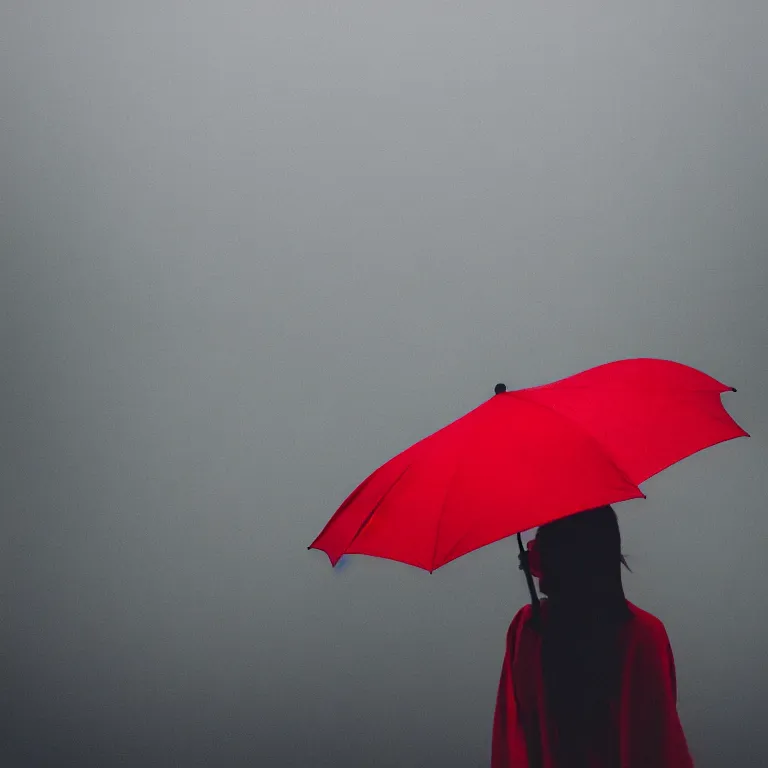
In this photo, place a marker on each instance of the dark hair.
(581, 563)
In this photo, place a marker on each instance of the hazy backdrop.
(251, 250)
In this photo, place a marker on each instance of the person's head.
(580, 555)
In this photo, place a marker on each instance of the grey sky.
(252, 250)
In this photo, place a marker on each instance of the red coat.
(650, 733)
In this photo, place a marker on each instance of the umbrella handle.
(526, 568)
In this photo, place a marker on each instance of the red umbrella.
(529, 457)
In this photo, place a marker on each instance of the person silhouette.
(588, 678)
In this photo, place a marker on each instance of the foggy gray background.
(252, 250)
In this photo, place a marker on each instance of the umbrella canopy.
(528, 457)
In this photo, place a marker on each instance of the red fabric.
(527, 457)
(649, 729)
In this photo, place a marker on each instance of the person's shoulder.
(645, 618)
(523, 616)
(647, 627)
(521, 619)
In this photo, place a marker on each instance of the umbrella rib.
(583, 430)
(376, 506)
(448, 487)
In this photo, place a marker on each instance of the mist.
(250, 251)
